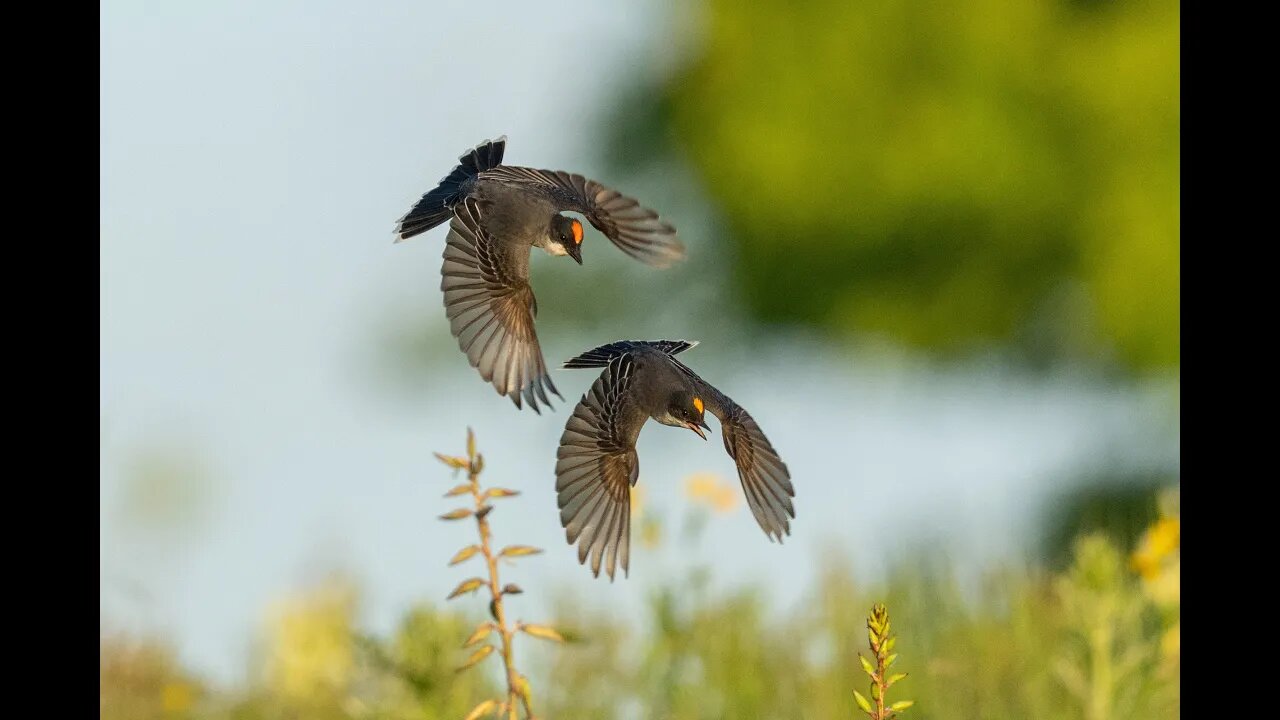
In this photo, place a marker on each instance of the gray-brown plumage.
(597, 462)
(497, 214)
(490, 307)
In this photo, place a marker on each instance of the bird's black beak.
(575, 251)
(698, 427)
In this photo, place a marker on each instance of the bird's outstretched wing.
(595, 468)
(765, 478)
(635, 229)
(491, 308)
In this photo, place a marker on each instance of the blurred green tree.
(1118, 505)
(1005, 172)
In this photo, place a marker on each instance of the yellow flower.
(650, 533)
(637, 501)
(1157, 543)
(177, 697)
(699, 486)
(1165, 587)
(711, 490)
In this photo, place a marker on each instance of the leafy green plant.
(882, 650)
(518, 690)
(1109, 660)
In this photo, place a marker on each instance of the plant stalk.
(495, 589)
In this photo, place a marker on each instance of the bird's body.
(597, 462)
(497, 213)
(524, 218)
(656, 377)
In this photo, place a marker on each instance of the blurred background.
(933, 250)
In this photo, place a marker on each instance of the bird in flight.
(497, 214)
(597, 462)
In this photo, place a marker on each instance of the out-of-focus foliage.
(414, 674)
(1117, 504)
(950, 176)
(1096, 641)
(1012, 652)
(142, 681)
(314, 664)
(312, 655)
(167, 487)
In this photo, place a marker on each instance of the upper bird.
(597, 462)
(499, 213)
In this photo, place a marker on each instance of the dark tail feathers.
(436, 206)
(599, 357)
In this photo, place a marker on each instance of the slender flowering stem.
(882, 649)
(518, 690)
(495, 588)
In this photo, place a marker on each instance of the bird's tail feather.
(599, 357)
(436, 206)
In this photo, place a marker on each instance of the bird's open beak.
(697, 427)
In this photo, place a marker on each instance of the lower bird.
(498, 214)
(597, 463)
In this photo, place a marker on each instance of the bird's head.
(566, 237)
(687, 410)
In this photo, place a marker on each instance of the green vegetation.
(1096, 641)
(1004, 172)
(882, 645)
